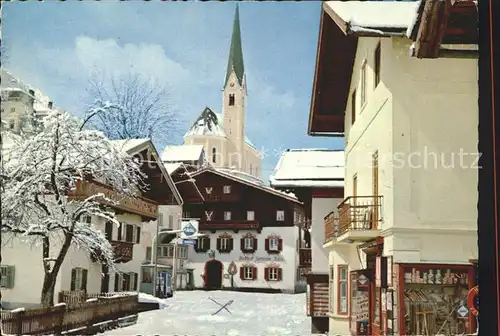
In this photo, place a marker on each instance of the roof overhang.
(445, 28)
(336, 52)
(306, 183)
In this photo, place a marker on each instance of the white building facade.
(407, 223)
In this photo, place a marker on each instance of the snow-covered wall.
(287, 260)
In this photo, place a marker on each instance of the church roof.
(210, 123)
(235, 61)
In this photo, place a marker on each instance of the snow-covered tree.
(140, 108)
(38, 174)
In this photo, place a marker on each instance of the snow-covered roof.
(309, 168)
(211, 123)
(172, 167)
(255, 183)
(182, 153)
(133, 146)
(374, 15)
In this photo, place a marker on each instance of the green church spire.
(235, 61)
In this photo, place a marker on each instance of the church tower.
(234, 99)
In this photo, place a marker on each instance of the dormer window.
(231, 99)
(214, 155)
(227, 189)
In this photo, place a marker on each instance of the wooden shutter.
(206, 244)
(280, 244)
(136, 279)
(280, 274)
(73, 279)
(254, 273)
(230, 244)
(195, 246)
(119, 232)
(242, 244)
(255, 244)
(242, 272)
(266, 274)
(129, 233)
(109, 230)
(116, 281)
(218, 244)
(138, 237)
(267, 244)
(84, 280)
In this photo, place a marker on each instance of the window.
(377, 64)
(251, 170)
(273, 244)
(248, 243)
(272, 274)
(202, 244)
(353, 107)
(342, 283)
(363, 83)
(12, 124)
(250, 215)
(224, 244)
(186, 214)
(227, 189)
(7, 274)
(227, 215)
(170, 221)
(12, 109)
(214, 155)
(248, 273)
(166, 251)
(280, 215)
(231, 99)
(79, 279)
(147, 275)
(183, 252)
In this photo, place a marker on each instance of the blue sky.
(56, 46)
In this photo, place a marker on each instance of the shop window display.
(435, 301)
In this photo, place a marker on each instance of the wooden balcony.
(234, 225)
(146, 208)
(305, 258)
(124, 251)
(214, 198)
(360, 218)
(331, 226)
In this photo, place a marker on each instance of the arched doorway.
(213, 274)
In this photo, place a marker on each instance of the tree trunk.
(49, 280)
(49, 284)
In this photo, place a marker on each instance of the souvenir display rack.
(435, 299)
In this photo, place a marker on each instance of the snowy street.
(190, 313)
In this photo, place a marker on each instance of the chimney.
(50, 104)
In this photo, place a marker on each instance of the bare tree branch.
(139, 108)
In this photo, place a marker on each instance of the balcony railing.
(360, 213)
(229, 225)
(124, 251)
(137, 205)
(331, 226)
(305, 257)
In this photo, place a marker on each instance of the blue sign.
(189, 229)
(189, 241)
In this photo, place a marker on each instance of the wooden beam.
(432, 28)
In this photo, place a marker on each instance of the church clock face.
(231, 84)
